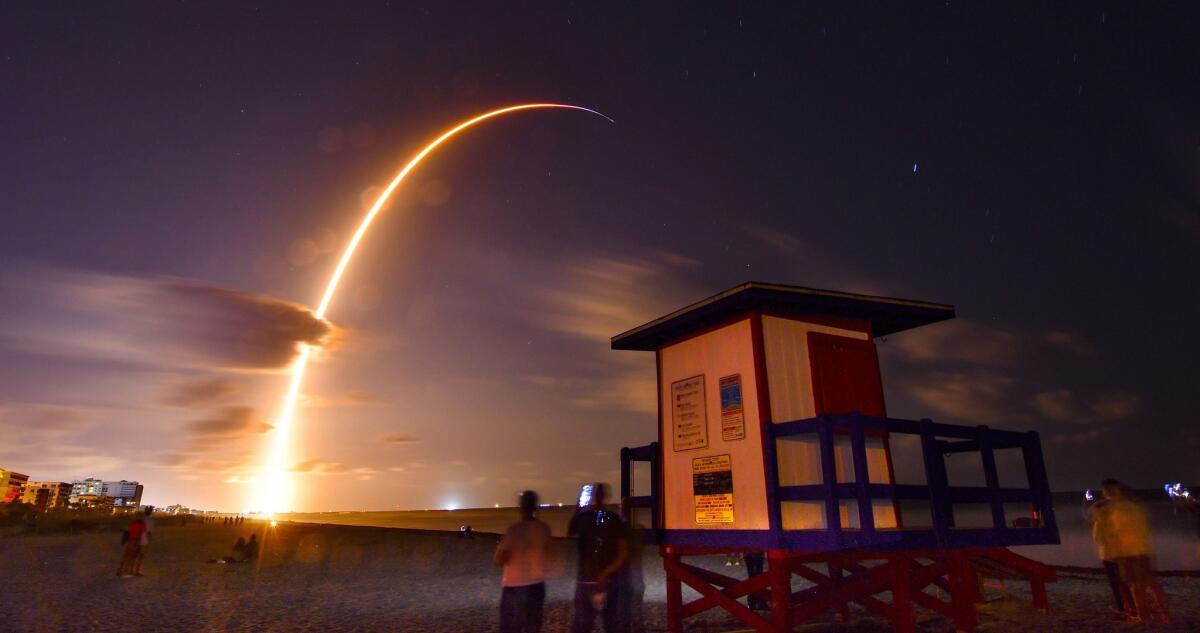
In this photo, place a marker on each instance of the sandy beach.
(314, 577)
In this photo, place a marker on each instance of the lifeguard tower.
(773, 437)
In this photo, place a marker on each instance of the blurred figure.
(1122, 526)
(144, 539)
(523, 552)
(1093, 508)
(603, 551)
(251, 551)
(755, 563)
(239, 551)
(131, 551)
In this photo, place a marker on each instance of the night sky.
(177, 179)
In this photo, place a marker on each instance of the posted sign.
(733, 419)
(712, 489)
(689, 422)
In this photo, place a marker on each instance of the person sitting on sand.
(239, 551)
(523, 552)
(251, 551)
(1122, 525)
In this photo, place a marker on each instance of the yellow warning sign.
(712, 489)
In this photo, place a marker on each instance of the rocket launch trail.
(274, 489)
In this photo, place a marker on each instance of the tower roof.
(887, 315)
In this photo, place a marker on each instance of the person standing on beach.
(131, 550)
(144, 539)
(603, 552)
(1125, 531)
(1094, 510)
(523, 552)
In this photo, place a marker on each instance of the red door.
(845, 375)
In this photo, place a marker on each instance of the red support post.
(905, 619)
(1037, 585)
(839, 602)
(781, 589)
(674, 592)
(964, 589)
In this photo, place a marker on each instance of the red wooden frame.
(903, 574)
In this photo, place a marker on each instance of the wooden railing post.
(862, 478)
(771, 471)
(833, 514)
(626, 476)
(991, 477)
(935, 477)
(1039, 484)
(656, 508)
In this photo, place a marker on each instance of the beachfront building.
(47, 495)
(12, 485)
(124, 493)
(85, 488)
(97, 493)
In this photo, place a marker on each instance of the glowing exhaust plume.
(275, 492)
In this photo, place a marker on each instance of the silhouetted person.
(251, 551)
(603, 552)
(1122, 525)
(523, 552)
(239, 551)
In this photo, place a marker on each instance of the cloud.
(41, 418)
(959, 341)
(234, 328)
(1069, 341)
(777, 239)
(595, 298)
(1077, 437)
(966, 397)
(399, 438)
(598, 298)
(352, 398)
(630, 386)
(159, 321)
(231, 421)
(1064, 405)
(319, 467)
(199, 393)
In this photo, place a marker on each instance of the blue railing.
(937, 441)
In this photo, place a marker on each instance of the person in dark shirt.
(251, 550)
(603, 551)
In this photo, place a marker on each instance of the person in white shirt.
(523, 552)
